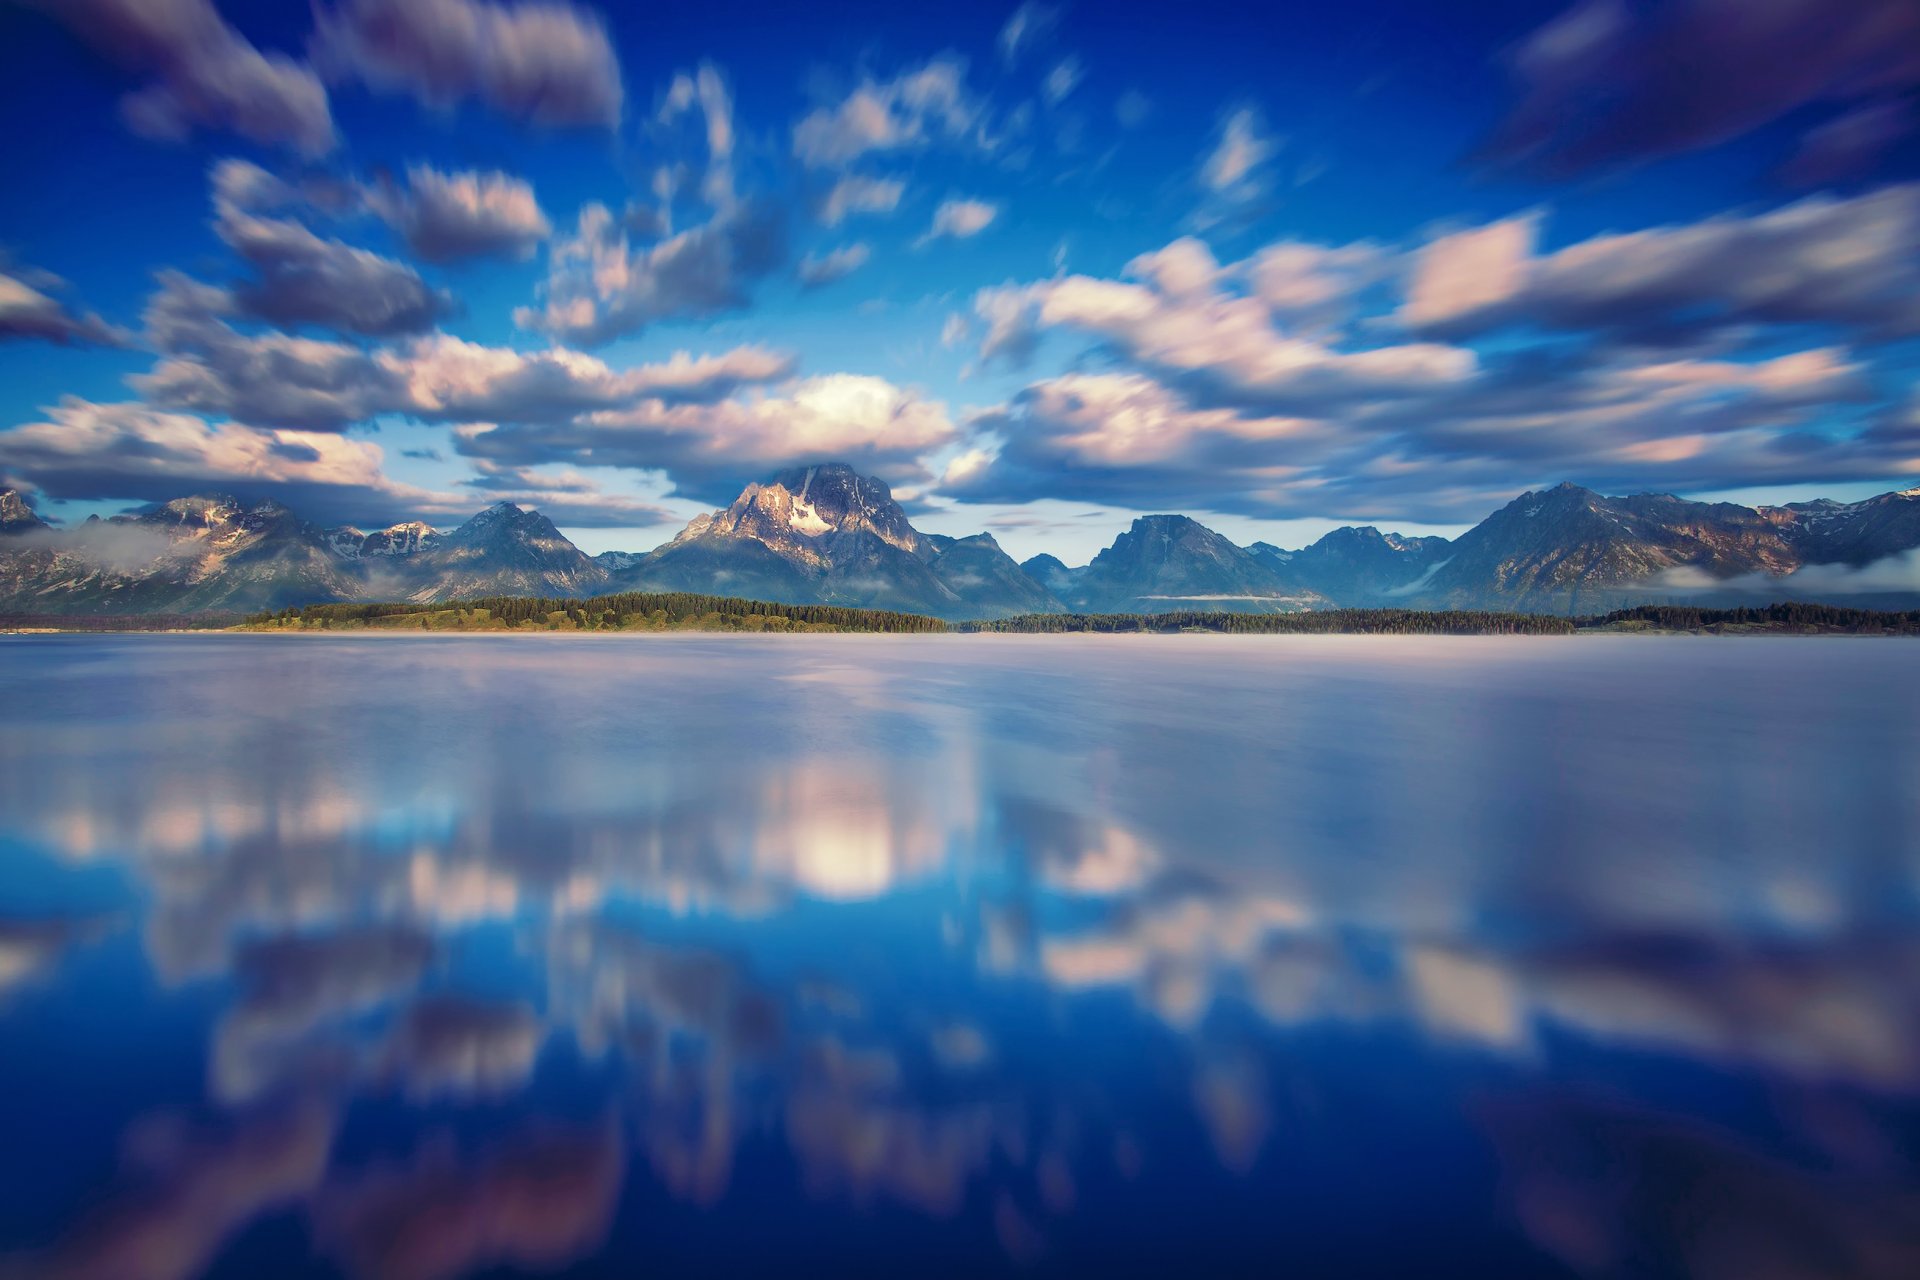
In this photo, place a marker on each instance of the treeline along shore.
(643, 611)
(680, 611)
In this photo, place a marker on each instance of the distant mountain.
(828, 535)
(204, 554)
(505, 550)
(213, 553)
(16, 516)
(1852, 533)
(1569, 548)
(975, 569)
(1166, 563)
(1050, 573)
(405, 539)
(1358, 565)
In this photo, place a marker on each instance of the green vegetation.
(117, 621)
(1343, 622)
(632, 611)
(681, 611)
(1798, 619)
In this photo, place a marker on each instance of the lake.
(407, 957)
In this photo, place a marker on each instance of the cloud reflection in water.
(986, 932)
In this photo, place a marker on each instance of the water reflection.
(1497, 957)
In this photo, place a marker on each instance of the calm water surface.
(429, 957)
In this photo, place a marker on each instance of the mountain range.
(826, 534)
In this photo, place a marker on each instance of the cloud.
(302, 278)
(1853, 263)
(1892, 575)
(1220, 405)
(1028, 27)
(190, 1189)
(854, 194)
(447, 1045)
(914, 108)
(204, 73)
(1231, 168)
(26, 312)
(706, 90)
(242, 184)
(1312, 284)
(292, 987)
(837, 264)
(33, 947)
(134, 452)
(273, 378)
(280, 380)
(1126, 439)
(1607, 84)
(960, 220)
(449, 379)
(1749, 1211)
(445, 217)
(546, 63)
(599, 287)
(544, 1199)
(711, 450)
(1235, 176)
(1063, 79)
(1850, 145)
(1195, 323)
(1250, 387)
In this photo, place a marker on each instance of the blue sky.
(1043, 268)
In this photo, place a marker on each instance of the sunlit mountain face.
(885, 955)
(1042, 269)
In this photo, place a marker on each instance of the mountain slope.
(16, 516)
(1570, 548)
(1853, 533)
(209, 553)
(1360, 565)
(828, 535)
(976, 569)
(1167, 563)
(505, 550)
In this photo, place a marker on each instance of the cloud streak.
(543, 63)
(202, 73)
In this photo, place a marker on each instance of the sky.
(1042, 268)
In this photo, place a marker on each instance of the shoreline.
(666, 614)
(397, 633)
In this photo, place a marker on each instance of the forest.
(629, 611)
(642, 611)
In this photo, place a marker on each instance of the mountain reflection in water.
(421, 957)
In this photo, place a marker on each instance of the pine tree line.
(685, 610)
(624, 611)
(1413, 622)
(1789, 617)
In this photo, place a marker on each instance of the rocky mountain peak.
(410, 537)
(15, 515)
(842, 500)
(795, 511)
(203, 509)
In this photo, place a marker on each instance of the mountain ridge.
(828, 535)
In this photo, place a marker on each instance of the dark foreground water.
(428, 957)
